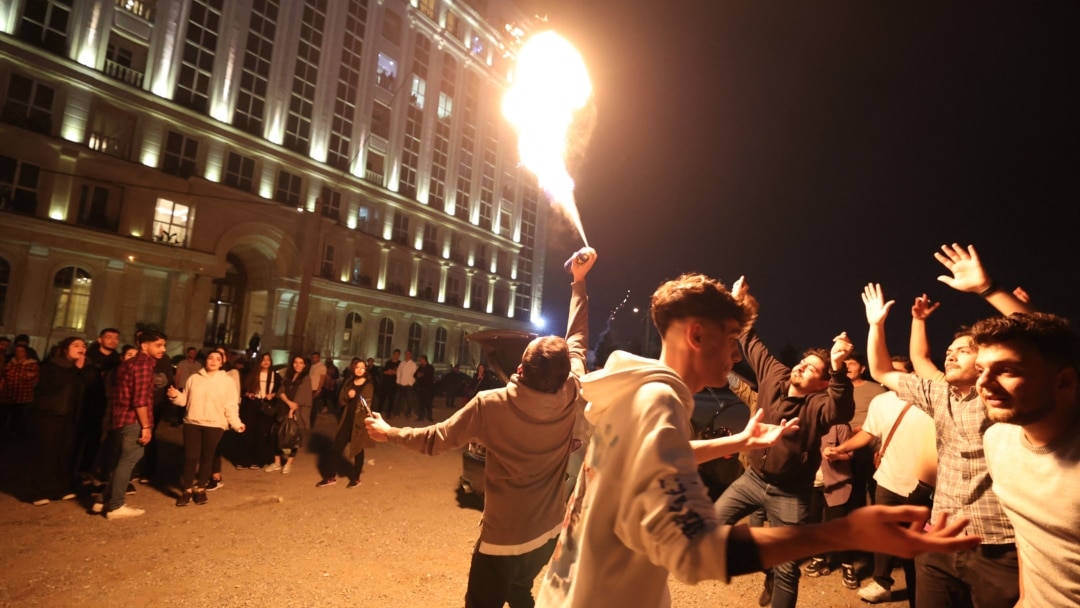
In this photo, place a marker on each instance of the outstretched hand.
(965, 266)
(377, 428)
(923, 307)
(841, 350)
(877, 309)
(758, 435)
(874, 530)
(578, 267)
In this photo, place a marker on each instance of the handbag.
(881, 453)
(268, 408)
(288, 434)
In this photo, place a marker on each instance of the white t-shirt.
(316, 374)
(914, 437)
(1039, 487)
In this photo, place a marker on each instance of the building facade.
(333, 175)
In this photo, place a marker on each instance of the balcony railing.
(139, 8)
(107, 145)
(374, 177)
(123, 73)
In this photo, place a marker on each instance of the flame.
(550, 86)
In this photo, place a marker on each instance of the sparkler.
(550, 86)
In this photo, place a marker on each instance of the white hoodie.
(639, 510)
(211, 400)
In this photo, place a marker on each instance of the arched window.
(350, 341)
(71, 290)
(386, 339)
(440, 345)
(5, 277)
(415, 332)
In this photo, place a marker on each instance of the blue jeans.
(130, 454)
(750, 493)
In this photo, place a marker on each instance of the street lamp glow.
(539, 322)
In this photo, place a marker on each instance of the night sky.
(815, 147)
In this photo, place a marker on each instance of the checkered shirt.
(134, 389)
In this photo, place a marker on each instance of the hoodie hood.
(622, 376)
(543, 406)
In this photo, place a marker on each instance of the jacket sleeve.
(450, 434)
(232, 406)
(577, 327)
(664, 509)
(765, 366)
(837, 404)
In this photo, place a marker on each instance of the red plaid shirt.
(134, 389)
(19, 381)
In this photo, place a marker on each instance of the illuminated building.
(219, 168)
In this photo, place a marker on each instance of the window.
(331, 203)
(95, 210)
(530, 194)
(386, 73)
(288, 188)
(410, 153)
(428, 8)
(453, 290)
(71, 296)
(197, 65)
(340, 154)
(239, 171)
(171, 221)
(487, 176)
(375, 171)
(386, 339)
(400, 234)
(350, 339)
(125, 60)
(5, 279)
(440, 346)
(463, 357)
(45, 23)
(326, 267)
(395, 276)
(441, 151)
(453, 25)
(421, 62)
(391, 27)
(380, 120)
(18, 186)
(431, 235)
(141, 8)
(251, 101)
(358, 277)
(425, 282)
(305, 77)
(506, 218)
(180, 155)
(415, 332)
(110, 130)
(476, 295)
(367, 219)
(29, 104)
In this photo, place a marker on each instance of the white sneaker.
(123, 512)
(875, 593)
(68, 496)
(285, 470)
(98, 507)
(271, 468)
(41, 502)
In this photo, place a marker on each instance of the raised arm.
(919, 344)
(877, 352)
(968, 275)
(577, 327)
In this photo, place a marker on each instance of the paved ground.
(403, 538)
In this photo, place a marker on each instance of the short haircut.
(1050, 335)
(694, 295)
(150, 335)
(963, 332)
(315, 353)
(902, 360)
(108, 330)
(192, 348)
(858, 358)
(546, 364)
(822, 354)
(397, 350)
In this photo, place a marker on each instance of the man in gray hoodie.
(529, 428)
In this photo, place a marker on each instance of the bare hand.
(874, 530)
(580, 268)
(351, 393)
(841, 349)
(923, 307)
(172, 392)
(877, 309)
(967, 271)
(1022, 295)
(759, 435)
(377, 428)
(145, 436)
(240, 429)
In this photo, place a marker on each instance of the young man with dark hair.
(640, 512)
(529, 429)
(1028, 367)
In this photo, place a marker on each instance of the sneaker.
(68, 496)
(214, 484)
(817, 567)
(353, 483)
(184, 499)
(241, 467)
(130, 489)
(41, 502)
(124, 511)
(272, 468)
(97, 507)
(285, 470)
(254, 467)
(875, 593)
(851, 581)
(200, 497)
(329, 481)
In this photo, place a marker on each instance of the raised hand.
(923, 307)
(965, 266)
(877, 309)
(841, 349)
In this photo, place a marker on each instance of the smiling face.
(298, 364)
(960, 362)
(1019, 385)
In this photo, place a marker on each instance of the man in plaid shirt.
(987, 576)
(132, 418)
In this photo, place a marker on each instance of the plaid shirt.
(963, 484)
(19, 381)
(134, 389)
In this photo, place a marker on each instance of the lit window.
(171, 221)
(440, 345)
(351, 338)
(386, 339)
(415, 331)
(71, 291)
(387, 72)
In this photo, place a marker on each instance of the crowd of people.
(963, 476)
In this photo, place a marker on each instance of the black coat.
(62, 386)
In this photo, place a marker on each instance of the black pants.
(330, 463)
(427, 399)
(264, 440)
(883, 564)
(495, 580)
(986, 577)
(200, 443)
(820, 511)
(862, 477)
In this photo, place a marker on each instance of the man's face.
(5, 344)
(315, 358)
(396, 355)
(370, 362)
(408, 355)
(854, 369)
(191, 353)
(155, 349)
(1018, 385)
(719, 351)
(809, 375)
(960, 362)
(110, 340)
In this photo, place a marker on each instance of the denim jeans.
(782, 508)
(130, 453)
(986, 577)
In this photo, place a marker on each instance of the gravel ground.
(403, 538)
